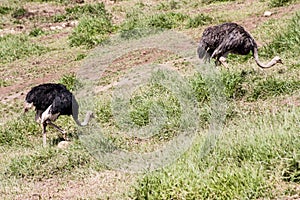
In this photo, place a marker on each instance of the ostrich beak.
(280, 61)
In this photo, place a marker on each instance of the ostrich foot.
(223, 61)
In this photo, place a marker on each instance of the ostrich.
(50, 101)
(218, 41)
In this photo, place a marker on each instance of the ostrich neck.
(85, 121)
(260, 64)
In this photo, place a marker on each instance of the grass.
(272, 87)
(70, 81)
(239, 167)
(287, 41)
(279, 3)
(255, 157)
(76, 12)
(49, 163)
(138, 22)
(14, 47)
(91, 31)
(198, 20)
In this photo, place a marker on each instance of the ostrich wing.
(236, 42)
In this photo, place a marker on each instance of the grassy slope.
(256, 156)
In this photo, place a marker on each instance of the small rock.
(267, 13)
(63, 144)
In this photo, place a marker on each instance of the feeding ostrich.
(218, 41)
(50, 101)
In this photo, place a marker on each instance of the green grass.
(13, 47)
(272, 87)
(286, 42)
(70, 81)
(91, 31)
(198, 20)
(20, 132)
(76, 12)
(167, 20)
(49, 163)
(256, 156)
(36, 32)
(138, 22)
(19, 12)
(4, 10)
(240, 166)
(279, 3)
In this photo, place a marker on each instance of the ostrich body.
(50, 101)
(218, 41)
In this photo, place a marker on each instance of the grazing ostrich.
(218, 41)
(50, 101)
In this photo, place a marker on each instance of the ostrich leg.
(58, 128)
(44, 125)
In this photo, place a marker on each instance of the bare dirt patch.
(136, 58)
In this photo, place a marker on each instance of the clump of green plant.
(198, 20)
(70, 81)
(93, 28)
(96, 10)
(233, 83)
(103, 111)
(161, 98)
(166, 20)
(80, 56)
(170, 5)
(286, 42)
(200, 89)
(4, 83)
(19, 13)
(273, 87)
(279, 3)
(90, 32)
(13, 47)
(36, 32)
(4, 10)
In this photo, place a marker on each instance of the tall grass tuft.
(90, 32)
(286, 42)
(13, 47)
(94, 24)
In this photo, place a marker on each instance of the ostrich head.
(27, 106)
(276, 60)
